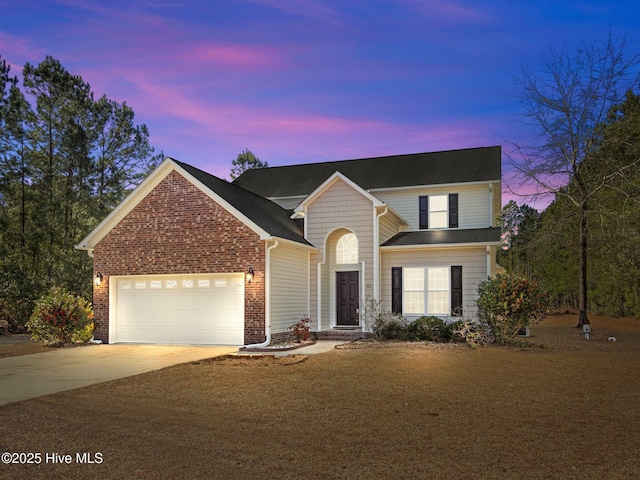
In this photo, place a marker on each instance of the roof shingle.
(440, 237)
(268, 215)
(452, 166)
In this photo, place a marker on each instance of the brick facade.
(177, 229)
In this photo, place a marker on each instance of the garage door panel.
(203, 309)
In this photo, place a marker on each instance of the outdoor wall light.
(97, 280)
(250, 275)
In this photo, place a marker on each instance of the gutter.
(267, 299)
(376, 255)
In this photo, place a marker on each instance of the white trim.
(302, 206)
(376, 250)
(440, 245)
(319, 293)
(128, 204)
(278, 199)
(491, 205)
(426, 289)
(146, 186)
(431, 186)
(267, 297)
(293, 243)
(488, 250)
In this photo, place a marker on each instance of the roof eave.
(440, 245)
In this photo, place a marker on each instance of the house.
(190, 258)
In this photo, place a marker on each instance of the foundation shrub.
(393, 327)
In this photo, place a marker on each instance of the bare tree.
(566, 102)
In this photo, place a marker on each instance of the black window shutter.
(396, 289)
(453, 210)
(423, 203)
(456, 291)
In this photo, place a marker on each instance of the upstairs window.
(438, 211)
(347, 249)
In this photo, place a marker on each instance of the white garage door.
(190, 309)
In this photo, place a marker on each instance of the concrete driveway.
(30, 376)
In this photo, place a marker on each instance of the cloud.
(234, 56)
(450, 12)
(20, 50)
(311, 9)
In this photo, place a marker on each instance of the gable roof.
(266, 214)
(330, 181)
(452, 166)
(263, 216)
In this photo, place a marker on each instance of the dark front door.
(347, 298)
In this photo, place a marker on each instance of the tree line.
(598, 209)
(66, 160)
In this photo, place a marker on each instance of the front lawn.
(568, 410)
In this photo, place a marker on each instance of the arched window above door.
(347, 249)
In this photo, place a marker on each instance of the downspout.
(376, 257)
(489, 260)
(267, 299)
(491, 221)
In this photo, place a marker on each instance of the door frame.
(336, 308)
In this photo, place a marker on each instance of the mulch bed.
(566, 409)
(279, 347)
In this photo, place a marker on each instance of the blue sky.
(308, 80)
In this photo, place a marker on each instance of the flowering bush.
(507, 304)
(60, 318)
(300, 329)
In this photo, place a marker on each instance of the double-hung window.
(426, 291)
(438, 211)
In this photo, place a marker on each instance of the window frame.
(432, 211)
(409, 293)
(347, 241)
(427, 213)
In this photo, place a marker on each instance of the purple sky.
(308, 80)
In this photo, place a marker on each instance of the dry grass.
(10, 348)
(13, 349)
(568, 410)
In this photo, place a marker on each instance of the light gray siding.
(473, 204)
(340, 206)
(473, 261)
(390, 224)
(289, 291)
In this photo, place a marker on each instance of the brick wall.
(178, 229)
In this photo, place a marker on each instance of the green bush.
(426, 329)
(507, 303)
(433, 329)
(61, 318)
(393, 327)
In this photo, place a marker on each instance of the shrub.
(392, 327)
(61, 318)
(300, 329)
(384, 326)
(434, 329)
(507, 303)
(430, 329)
(474, 333)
